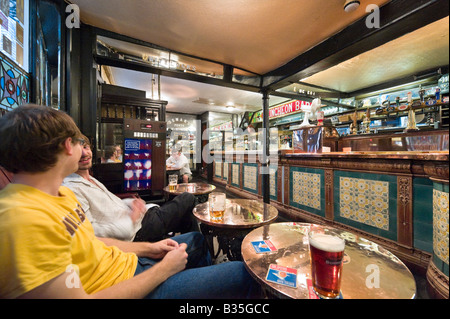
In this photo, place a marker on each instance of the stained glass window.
(14, 85)
(14, 80)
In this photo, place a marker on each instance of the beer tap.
(411, 116)
(422, 94)
(354, 129)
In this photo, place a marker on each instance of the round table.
(193, 188)
(240, 217)
(369, 270)
(200, 190)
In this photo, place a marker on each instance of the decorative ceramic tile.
(218, 169)
(235, 174)
(423, 220)
(365, 201)
(251, 177)
(306, 189)
(440, 224)
(225, 171)
(273, 182)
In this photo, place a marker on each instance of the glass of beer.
(173, 180)
(326, 251)
(217, 202)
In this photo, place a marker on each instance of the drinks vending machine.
(144, 157)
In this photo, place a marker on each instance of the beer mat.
(312, 294)
(282, 275)
(263, 246)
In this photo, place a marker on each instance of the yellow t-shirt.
(43, 236)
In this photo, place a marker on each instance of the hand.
(175, 260)
(137, 209)
(159, 249)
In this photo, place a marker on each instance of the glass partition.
(184, 130)
(219, 124)
(111, 139)
(158, 58)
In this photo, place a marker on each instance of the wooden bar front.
(397, 199)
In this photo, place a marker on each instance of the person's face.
(77, 150)
(86, 158)
(176, 155)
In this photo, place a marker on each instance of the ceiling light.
(351, 5)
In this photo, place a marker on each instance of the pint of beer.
(173, 180)
(326, 252)
(217, 203)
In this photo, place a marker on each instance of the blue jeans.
(200, 279)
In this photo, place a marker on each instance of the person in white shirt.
(179, 161)
(128, 219)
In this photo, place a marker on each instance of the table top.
(239, 213)
(369, 270)
(193, 188)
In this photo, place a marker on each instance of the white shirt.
(181, 162)
(108, 214)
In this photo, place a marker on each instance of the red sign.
(223, 127)
(288, 108)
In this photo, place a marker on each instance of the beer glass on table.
(327, 253)
(217, 202)
(173, 180)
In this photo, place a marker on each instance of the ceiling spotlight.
(230, 106)
(351, 5)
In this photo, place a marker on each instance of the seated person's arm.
(170, 161)
(143, 249)
(65, 285)
(120, 227)
(176, 165)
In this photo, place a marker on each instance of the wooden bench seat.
(5, 178)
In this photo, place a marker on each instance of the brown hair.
(31, 136)
(87, 141)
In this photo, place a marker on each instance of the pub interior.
(317, 113)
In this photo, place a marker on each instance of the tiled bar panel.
(399, 200)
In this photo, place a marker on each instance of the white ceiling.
(182, 94)
(423, 49)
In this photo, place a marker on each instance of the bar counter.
(425, 155)
(397, 199)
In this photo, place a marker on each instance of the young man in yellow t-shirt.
(47, 245)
